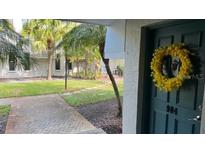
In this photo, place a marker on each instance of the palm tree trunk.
(66, 73)
(95, 69)
(86, 69)
(50, 57)
(78, 70)
(86, 65)
(112, 79)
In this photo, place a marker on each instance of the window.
(69, 65)
(27, 57)
(57, 62)
(12, 62)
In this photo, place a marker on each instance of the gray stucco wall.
(202, 131)
(114, 42)
(132, 52)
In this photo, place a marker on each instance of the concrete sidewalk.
(45, 114)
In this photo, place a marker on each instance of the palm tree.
(12, 43)
(91, 37)
(45, 35)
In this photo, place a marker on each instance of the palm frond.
(12, 43)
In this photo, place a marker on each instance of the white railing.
(39, 54)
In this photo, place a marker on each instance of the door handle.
(197, 118)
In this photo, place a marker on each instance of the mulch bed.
(103, 115)
(3, 122)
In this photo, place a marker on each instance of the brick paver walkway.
(47, 114)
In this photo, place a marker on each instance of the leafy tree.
(74, 56)
(86, 36)
(87, 54)
(45, 34)
(91, 56)
(12, 43)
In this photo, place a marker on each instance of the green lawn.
(4, 109)
(43, 87)
(93, 96)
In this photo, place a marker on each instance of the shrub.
(120, 69)
(90, 75)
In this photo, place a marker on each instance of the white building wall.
(37, 70)
(132, 52)
(91, 67)
(113, 64)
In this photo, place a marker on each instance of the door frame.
(144, 82)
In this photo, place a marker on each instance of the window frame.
(14, 63)
(29, 62)
(57, 62)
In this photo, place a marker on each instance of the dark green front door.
(179, 111)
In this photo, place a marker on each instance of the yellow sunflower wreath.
(175, 51)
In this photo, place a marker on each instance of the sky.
(17, 25)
